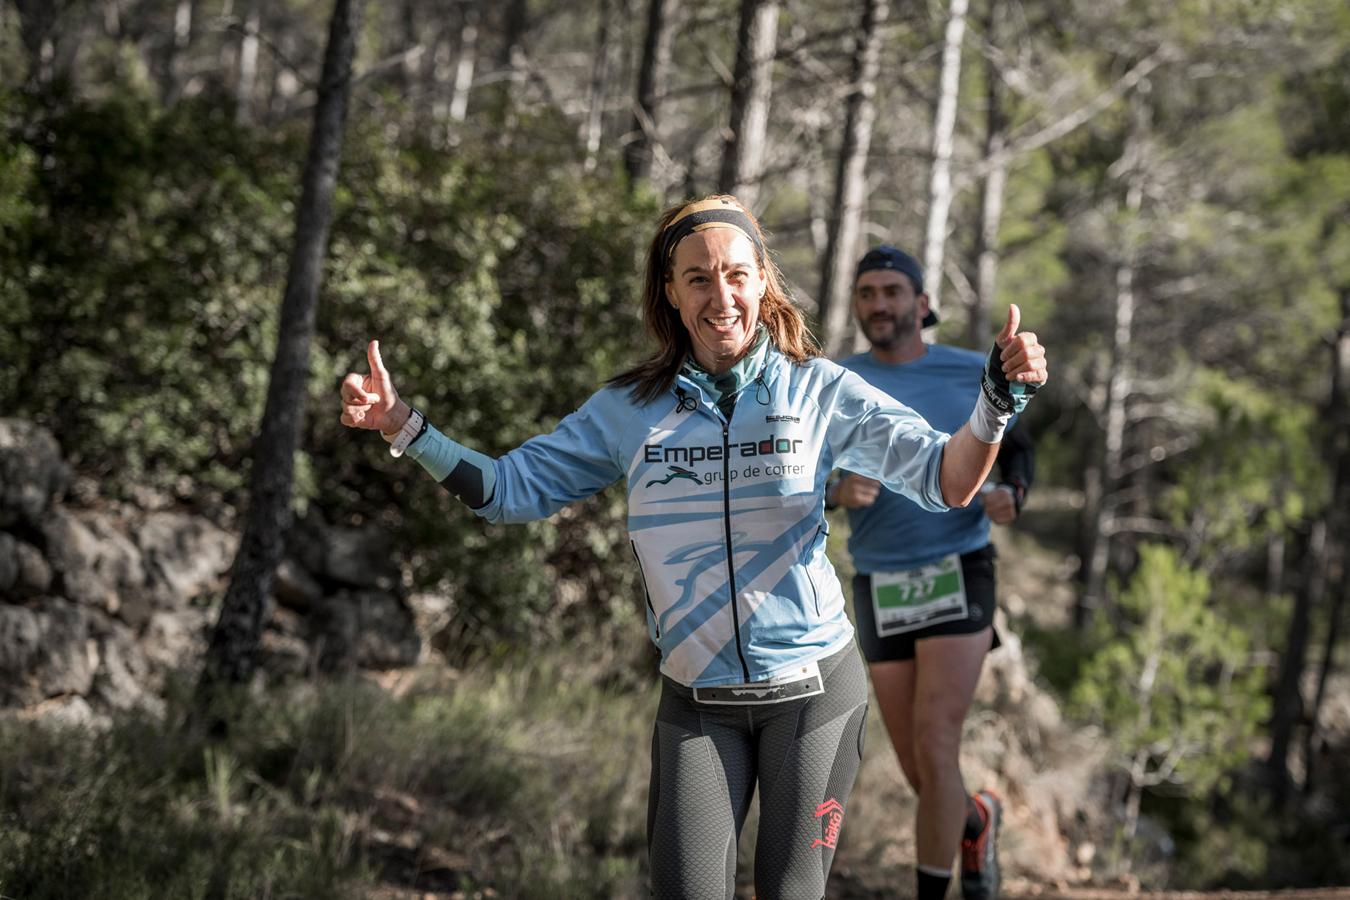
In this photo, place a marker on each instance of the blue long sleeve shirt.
(725, 515)
(895, 533)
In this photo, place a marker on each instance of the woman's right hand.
(370, 401)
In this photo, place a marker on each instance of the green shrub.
(87, 820)
(1175, 690)
(144, 256)
(532, 778)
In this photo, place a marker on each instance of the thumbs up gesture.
(370, 401)
(1015, 368)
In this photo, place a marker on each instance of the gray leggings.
(706, 760)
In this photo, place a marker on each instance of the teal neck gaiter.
(723, 388)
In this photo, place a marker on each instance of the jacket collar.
(760, 364)
(746, 370)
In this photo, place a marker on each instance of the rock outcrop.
(100, 602)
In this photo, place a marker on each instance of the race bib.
(917, 598)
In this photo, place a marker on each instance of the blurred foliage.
(1175, 689)
(1255, 470)
(501, 284)
(321, 787)
(155, 245)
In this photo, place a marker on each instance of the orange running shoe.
(979, 857)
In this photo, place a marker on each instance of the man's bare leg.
(946, 671)
(893, 683)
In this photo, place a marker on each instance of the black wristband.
(1007, 398)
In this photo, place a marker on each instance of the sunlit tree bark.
(174, 75)
(466, 64)
(652, 71)
(751, 91)
(940, 175)
(593, 132)
(850, 182)
(1120, 368)
(246, 73)
(992, 189)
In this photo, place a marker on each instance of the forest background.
(1164, 188)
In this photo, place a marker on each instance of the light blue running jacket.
(726, 518)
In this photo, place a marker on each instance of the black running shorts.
(707, 760)
(977, 570)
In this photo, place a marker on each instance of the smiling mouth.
(722, 321)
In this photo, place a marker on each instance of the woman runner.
(725, 437)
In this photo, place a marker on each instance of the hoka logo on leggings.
(833, 810)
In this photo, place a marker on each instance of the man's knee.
(937, 744)
(909, 766)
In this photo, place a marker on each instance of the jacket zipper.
(656, 623)
(807, 568)
(731, 564)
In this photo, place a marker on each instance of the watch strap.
(412, 429)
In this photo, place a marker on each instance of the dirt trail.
(1088, 893)
(849, 888)
(1023, 892)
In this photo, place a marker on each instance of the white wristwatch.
(407, 434)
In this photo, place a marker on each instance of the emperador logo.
(676, 472)
(659, 453)
(834, 811)
(743, 460)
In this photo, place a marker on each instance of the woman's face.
(716, 285)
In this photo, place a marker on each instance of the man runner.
(924, 593)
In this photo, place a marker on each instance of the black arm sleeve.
(1017, 459)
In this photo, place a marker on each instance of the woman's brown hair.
(653, 376)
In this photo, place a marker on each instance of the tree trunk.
(1148, 675)
(1274, 565)
(1134, 797)
(112, 19)
(940, 176)
(995, 183)
(466, 64)
(1324, 670)
(1287, 706)
(231, 657)
(430, 107)
(246, 75)
(1093, 521)
(595, 111)
(1120, 380)
(512, 55)
(37, 32)
(1337, 518)
(1117, 392)
(174, 76)
(283, 84)
(978, 329)
(850, 182)
(408, 71)
(752, 86)
(651, 77)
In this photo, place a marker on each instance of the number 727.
(920, 588)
